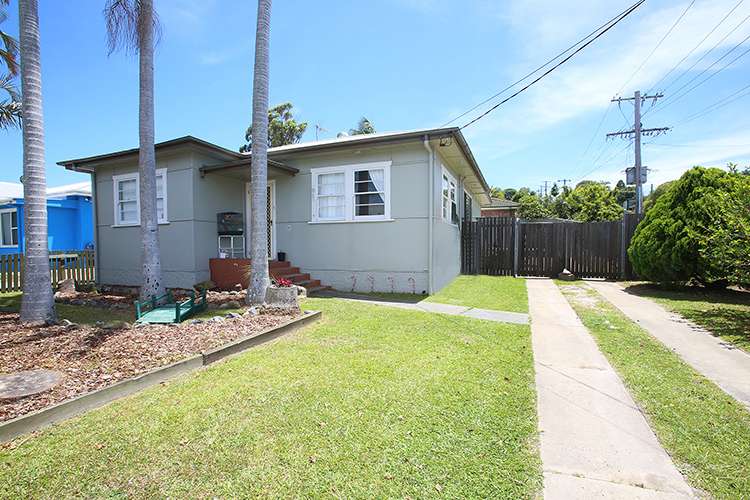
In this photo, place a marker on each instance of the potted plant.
(282, 294)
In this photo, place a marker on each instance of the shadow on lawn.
(724, 313)
(404, 298)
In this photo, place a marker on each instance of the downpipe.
(430, 218)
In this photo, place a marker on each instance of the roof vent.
(341, 134)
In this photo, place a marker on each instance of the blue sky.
(404, 64)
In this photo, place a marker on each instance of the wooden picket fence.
(78, 265)
(507, 246)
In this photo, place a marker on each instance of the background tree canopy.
(364, 126)
(282, 128)
(697, 229)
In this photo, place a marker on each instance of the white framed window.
(127, 202)
(8, 227)
(351, 192)
(450, 208)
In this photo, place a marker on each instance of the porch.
(228, 273)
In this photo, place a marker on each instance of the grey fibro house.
(378, 212)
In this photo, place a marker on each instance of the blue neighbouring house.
(70, 224)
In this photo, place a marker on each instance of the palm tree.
(10, 109)
(133, 24)
(258, 283)
(37, 302)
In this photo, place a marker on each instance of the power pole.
(545, 188)
(636, 133)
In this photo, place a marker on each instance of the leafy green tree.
(624, 194)
(674, 241)
(509, 193)
(283, 129)
(496, 192)
(554, 191)
(364, 126)
(533, 207)
(593, 202)
(650, 200)
(729, 244)
(521, 193)
(10, 108)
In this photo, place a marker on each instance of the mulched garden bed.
(215, 299)
(92, 357)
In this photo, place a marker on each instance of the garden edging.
(67, 409)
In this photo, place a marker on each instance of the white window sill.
(161, 223)
(8, 246)
(356, 221)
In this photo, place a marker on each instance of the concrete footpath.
(594, 441)
(435, 307)
(727, 367)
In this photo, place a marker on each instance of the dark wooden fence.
(78, 265)
(506, 246)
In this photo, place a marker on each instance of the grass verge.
(725, 313)
(499, 293)
(369, 402)
(706, 432)
(87, 315)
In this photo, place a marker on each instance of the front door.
(271, 222)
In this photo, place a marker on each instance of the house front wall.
(388, 255)
(119, 248)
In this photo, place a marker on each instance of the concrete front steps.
(286, 270)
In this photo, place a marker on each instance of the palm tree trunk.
(258, 283)
(37, 303)
(150, 255)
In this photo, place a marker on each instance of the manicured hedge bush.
(674, 241)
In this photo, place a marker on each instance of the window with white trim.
(9, 227)
(351, 192)
(127, 198)
(450, 209)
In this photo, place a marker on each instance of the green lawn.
(725, 313)
(500, 293)
(706, 432)
(76, 314)
(371, 402)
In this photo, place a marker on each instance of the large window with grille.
(9, 227)
(351, 193)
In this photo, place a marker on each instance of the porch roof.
(243, 165)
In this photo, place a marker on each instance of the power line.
(525, 77)
(606, 162)
(717, 105)
(669, 31)
(612, 24)
(678, 97)
(696, 47)
(685, 72)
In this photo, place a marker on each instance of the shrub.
(593, 202)
(673, 243)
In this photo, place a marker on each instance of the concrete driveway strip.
(594, 441)
(727, 367)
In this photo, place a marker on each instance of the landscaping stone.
(66, 287)
(116, 325)
(301, 291)
(282, 297)
(217, 319)
(196, 321)
(566, 275)
(253, 311)
(27, 383)
(233, 315)
(232, 304)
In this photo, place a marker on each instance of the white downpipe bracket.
(430, 219)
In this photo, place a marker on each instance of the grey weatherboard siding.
(382, 256)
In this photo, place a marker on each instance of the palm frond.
(9, 55)
(123, 25)
(10, 109)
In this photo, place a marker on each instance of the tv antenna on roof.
(318, 129)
